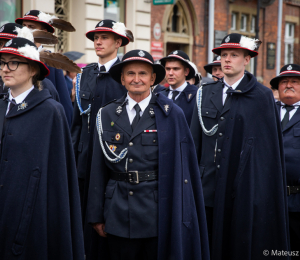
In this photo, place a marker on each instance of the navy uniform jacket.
(158, 88)
(58, 80)
(245, 171)
(186, 100)
(97, 91)
(181, 230)
(39, 199)
(291, 144)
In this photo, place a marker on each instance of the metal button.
(220, 134)
(130, 144)
(154, 141)
(130, 160)
(207, 113)
(222, 118)
(219, 150)
(130, 193)
(218, 166)
(83, 95)
(186, 181)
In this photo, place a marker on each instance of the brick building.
(184, 25)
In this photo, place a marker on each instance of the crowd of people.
(135, 170)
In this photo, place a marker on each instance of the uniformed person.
(35, 19)
(145, 193)
(39, 198)
(178, 70)
(214, 68)
(9, 31)
(288, 85)
(239, 148)
(95, 88)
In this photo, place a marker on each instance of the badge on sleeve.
(118, 136)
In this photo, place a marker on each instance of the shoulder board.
(109, 102)
(208, 83)
(89, 65)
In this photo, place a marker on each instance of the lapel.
(3, 108)
(295, 119)
(123, 119)
(34, 98)
(216, 96)
(165, 92)
(92, 78)
(146, 120)
(188, 93)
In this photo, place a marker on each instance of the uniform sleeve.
(196, 131)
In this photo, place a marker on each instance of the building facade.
(184, 25)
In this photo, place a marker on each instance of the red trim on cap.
(35, 19)
(217, 61)
(31, 17)
(139, 58)
(230, 43)
(177, 56)
(290, 71)
(8, 34)
(101, 29)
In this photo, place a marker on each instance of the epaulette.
(208, 83)
(109, 103)
(89, 65)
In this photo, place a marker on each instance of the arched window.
(177, 21)
(62, 11)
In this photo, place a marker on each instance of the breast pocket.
(150, 146)
(296, 141)
(84, 94)
(209, 112)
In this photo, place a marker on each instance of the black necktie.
(12, 104)
(137, 116)
(102, 69)
(228, 95)
(174, 94)
(286, 117)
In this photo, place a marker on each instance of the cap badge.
(219, 57)
(166, 107)
(27, 13)
(141, 53)
(2, 28)
(289, 67)
(8, 43)
(101, 23)
(175, 52)
(22, 106)
(118, 136)
(113, 148)
(227, 39)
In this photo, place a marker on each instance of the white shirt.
(131, 103)
(180, 89)
(19, 99)
(108, 64)
(234, 86)
(292, 112)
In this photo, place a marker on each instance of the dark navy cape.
(47, 84)
(182, 230)
(39, 199)
(250, 209)
(58, 80)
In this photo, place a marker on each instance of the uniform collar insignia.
(151, 111)
(119, 110)
(190, 95)
(166, 107)
(22, 106)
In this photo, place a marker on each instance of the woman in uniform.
(39, 199)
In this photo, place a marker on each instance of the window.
(115, 10)
(243, 27)
(289, 43)
(177, 21)
(253, 24)
(233, 21)
(62, 12)
(9, 11)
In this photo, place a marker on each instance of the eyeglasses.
(11, 65)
